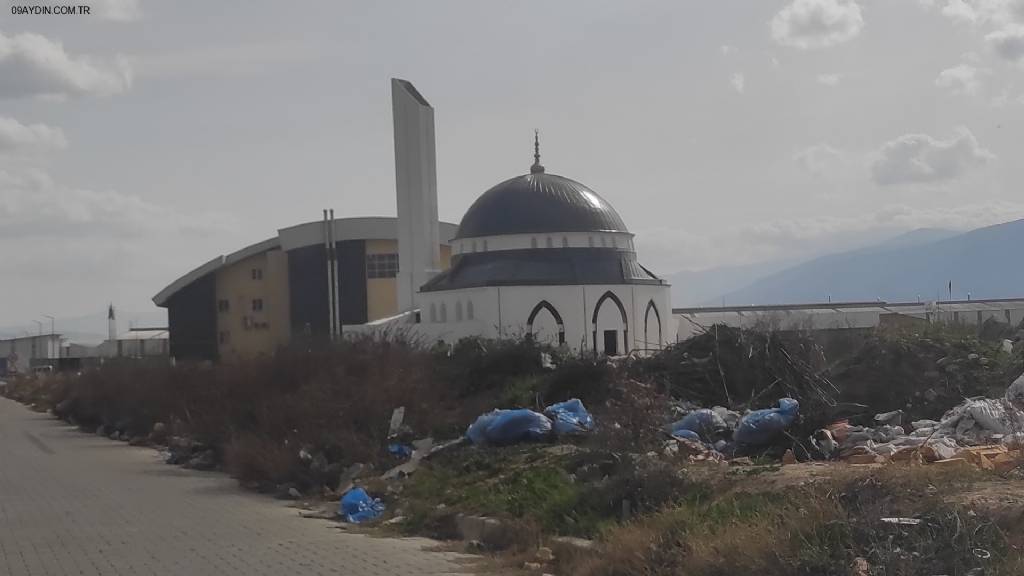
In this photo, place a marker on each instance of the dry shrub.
(248, 456)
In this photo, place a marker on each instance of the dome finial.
(537, 168)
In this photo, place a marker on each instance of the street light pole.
(52, 319)
(40, 324)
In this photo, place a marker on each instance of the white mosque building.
(537, 255)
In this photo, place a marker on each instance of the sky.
(146, 138)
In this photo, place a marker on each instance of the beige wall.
(382, 293)
(248, 332)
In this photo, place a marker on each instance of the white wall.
(20, 352)
(505, 312)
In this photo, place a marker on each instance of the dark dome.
(539, 203)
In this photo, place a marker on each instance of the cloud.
(117, 10)
(808, 24)
(829, 79)
(16, 138)
(1008, 42)
(821, 160)
(33, 205)
(738, 82)
(919, 158)
(33, 65)
(961, 79)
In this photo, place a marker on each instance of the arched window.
(533, 242)
(652, 329)
(485, 245)
(444, 313)
(565, 242)
(474, 245)
(433, 312)
(542, 306)
(604, 242)
(549, 243)
(458, 311)
(469, 309)
(614, 243)
(590, 241)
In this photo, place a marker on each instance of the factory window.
(257, 274)
(549, 243)
(469, 309)
(257, 304)
(381, 265)
(458, 311)
(223, 306)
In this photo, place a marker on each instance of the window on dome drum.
(257, 274)
(614, 243)
(485, 245)
(604, 242)
(381, 265)
(533, 242)
(565, 242)
(257, 304)
(590, 241)
(549, 243)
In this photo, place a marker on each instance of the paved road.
(72, 503)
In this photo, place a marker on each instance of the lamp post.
(40, 324)
(52, 319)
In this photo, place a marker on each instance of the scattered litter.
(706, 423)
(761, 427)
(570, 417)
(395, 426)
(902, 521)
(357, 506)
(894, 418)
(503, 427)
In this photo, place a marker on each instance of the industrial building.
(850, 315)
(23, 354)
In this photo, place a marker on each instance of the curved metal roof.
(537, 203)
(557, 266)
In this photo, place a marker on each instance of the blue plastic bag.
(400, 450)
(503, 427)
(570, 417)
(706, 423)
(687, 435)
(357, 506)
(760, 427)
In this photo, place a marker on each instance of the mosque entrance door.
(611, 342)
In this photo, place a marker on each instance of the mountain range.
(918, 265)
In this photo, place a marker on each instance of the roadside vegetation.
(298, 421)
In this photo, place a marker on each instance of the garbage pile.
(506, 427)
(989, 427)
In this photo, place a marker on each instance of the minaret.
(111, 324)
(419, 245)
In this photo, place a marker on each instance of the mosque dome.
(539, 202)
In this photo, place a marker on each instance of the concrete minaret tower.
(111, 324)
(419, 251)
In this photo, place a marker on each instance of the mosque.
(538, 255)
